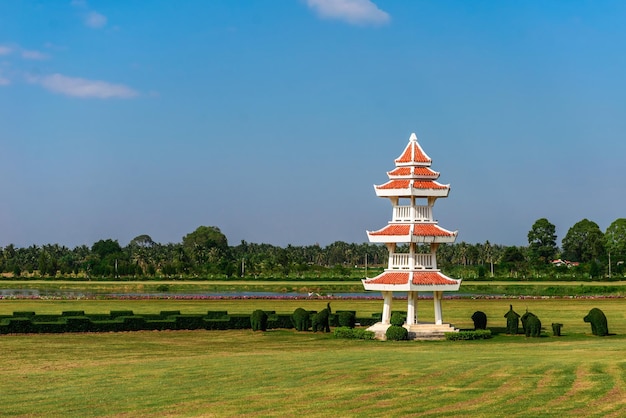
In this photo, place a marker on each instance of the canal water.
(72, 294)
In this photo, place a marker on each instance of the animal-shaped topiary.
(597, 319)
(480, 320)
(531, 324)
(321, 320)
(300, 319)
(512, 321)
(258, 320)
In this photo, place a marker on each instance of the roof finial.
(413, 137)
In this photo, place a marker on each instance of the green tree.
(583, 242)
(542, 246)
(513, 258)
(108, 257)
(615, 242)
(207, 247)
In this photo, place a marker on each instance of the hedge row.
(78, 321)
(479, 334)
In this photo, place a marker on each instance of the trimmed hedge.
(353, 333)
(479, 334)
(126, 320)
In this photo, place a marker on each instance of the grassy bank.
(541, 288)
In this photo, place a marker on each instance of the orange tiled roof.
(416, 184)
(424, 278)
(430, 230)
(413, 153)
(428, 185)
(395, 184)
(413, 171)
(393, 229)
(420, 229)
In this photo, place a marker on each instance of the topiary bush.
(353, 333)
(346, 319)
(258, 320)
(397, 318)
(480, 334)
(396, 333)
(480, 320)
(512, 321)
(597, 319)
(321, 320)
(531, 324)
(301, 319)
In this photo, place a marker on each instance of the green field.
(285, 373)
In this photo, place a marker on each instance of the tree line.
(205, 253)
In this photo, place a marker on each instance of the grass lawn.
(285, 373)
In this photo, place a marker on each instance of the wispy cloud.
(5, 50)
(95, 20)
(34, 55)
(91, 18)
(356, 12)
(4, 81)
(83, 88)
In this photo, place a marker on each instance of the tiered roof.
(412, 177)
(416, 232)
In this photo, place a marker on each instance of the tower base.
(421, 331)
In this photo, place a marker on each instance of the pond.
(35, 293)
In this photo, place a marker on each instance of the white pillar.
(411, 312)
(437, 302)
(387, 298)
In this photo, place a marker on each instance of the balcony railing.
(412, 213)
(418, 261)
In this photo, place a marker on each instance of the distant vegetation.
(586, 253)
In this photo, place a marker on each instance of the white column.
(437, 302)
(387, 298)
(411, 312)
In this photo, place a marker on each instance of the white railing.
(412, 213)
(418, 261)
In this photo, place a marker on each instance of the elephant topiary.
(531, 324)
(301, 319)
(258, 320)
(480, 320)
(597, 319)
(321, 320)
(512, 321)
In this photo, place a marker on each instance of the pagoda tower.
(412, 237)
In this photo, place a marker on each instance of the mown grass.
(285, 373)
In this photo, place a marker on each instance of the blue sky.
(273, 119)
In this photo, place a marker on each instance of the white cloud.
(356, 12)
(82, 88)
(95, 20)
(5, 50)
(34, 55)
(4, 81)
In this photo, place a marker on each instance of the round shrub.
(258, 320)
(396, 333)
(397, 319)
(346, 319)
